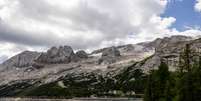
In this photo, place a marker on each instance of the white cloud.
(68, 20)
(82, 24)
(198, 5)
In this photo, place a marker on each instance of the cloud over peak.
(67, 22)
(82, 24)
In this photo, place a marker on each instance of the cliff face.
(24, 59)
(169, 50)
(62, 64)
(63, 54)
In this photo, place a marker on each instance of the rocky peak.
(169, 48)
(63, 54)
(66, 51)
(23, 59)
(111, 52)
(81, 54)
(52, 52)
(180, 38)
(172, 44)
(126, 48)
(98, 51)
(109, 55)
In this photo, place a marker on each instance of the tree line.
(182, 85)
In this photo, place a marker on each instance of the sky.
(37, 25)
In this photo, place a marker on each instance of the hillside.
(62, 72)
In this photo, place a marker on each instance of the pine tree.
(167, 92)
(187, 53)
(148, 90)
(163, 75)
(156, 85)
(189, 87)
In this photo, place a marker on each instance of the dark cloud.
(9, 34)
(21, 37)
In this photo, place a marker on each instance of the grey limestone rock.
(24, 59)
(63, 54)
(109, 56)
(81, 54)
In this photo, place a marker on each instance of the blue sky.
(184, 13)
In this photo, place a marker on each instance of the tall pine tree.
(156, 89)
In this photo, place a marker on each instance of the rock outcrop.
(81, 54)
(109, 56)
(169, 49)
(63, 54)
(24, 59)
(111, 52)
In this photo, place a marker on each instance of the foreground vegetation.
(128, 83)
(182, 85)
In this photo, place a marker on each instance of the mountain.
(24, 59)
(62, 72)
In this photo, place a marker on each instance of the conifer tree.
(148, 90)
(156, 85)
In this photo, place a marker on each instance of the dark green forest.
(181, 85)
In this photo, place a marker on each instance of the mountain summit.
(61, 64)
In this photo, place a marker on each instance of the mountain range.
(61, 69)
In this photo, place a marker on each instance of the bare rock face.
(63, 54)
(169, 49)
(126, 48)
(81, 54)
(111, 52)
(109, 56)
(24, 59)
